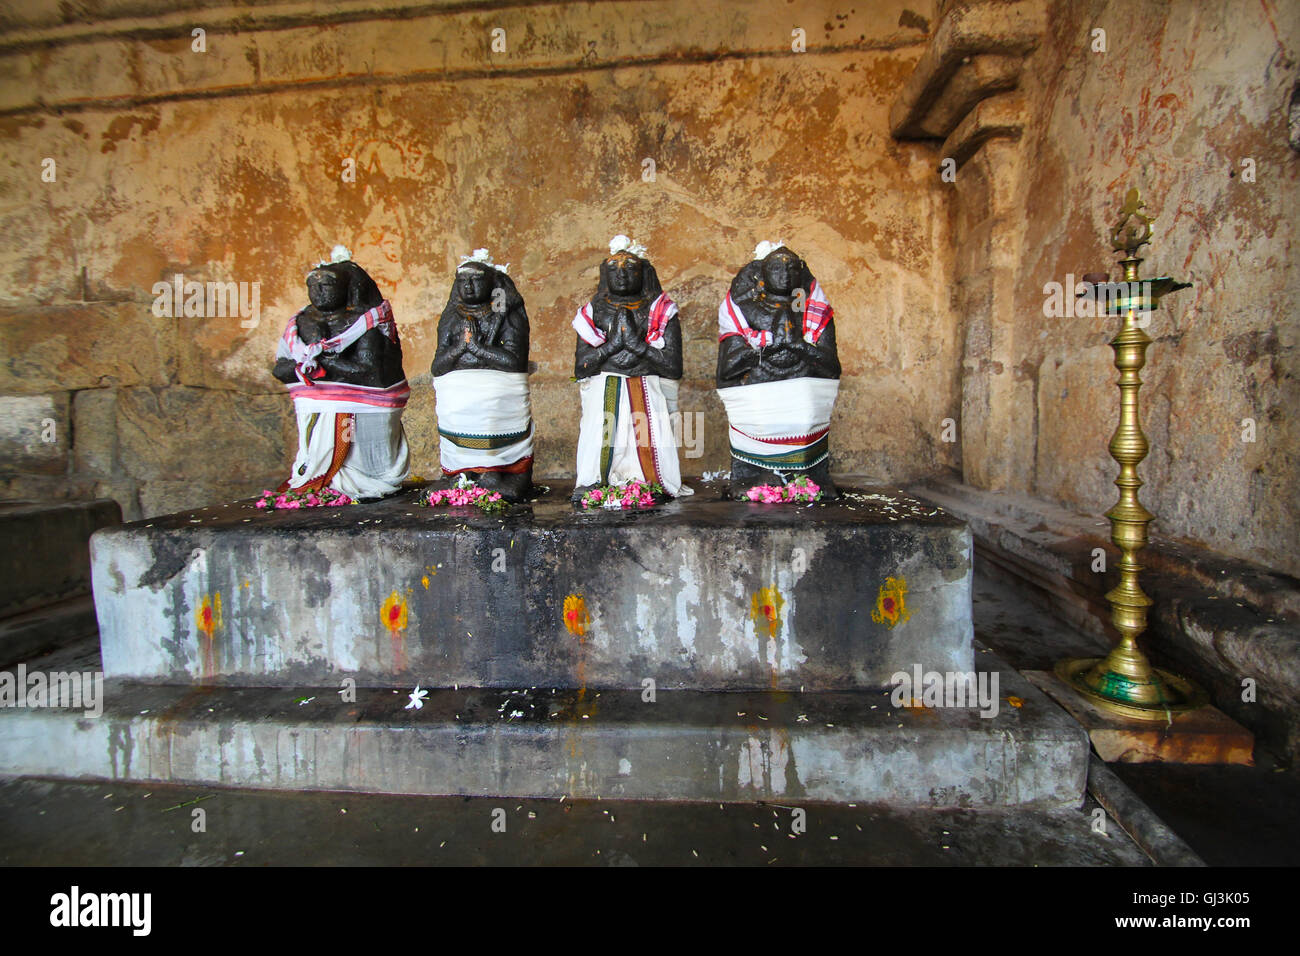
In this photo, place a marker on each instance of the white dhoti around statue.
(626, 432)
(781, 426)
(485, 421)
(350, 438)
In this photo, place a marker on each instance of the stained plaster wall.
(226, 165)
(1183, 94)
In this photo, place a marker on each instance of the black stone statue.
(480, 375)
(341, 357)
(620, 311)
(778, 372)
(627, 363)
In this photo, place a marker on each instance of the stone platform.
(698, 594)
(721, 746)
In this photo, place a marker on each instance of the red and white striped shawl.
(304, 355)
(661, 312)
(817, 314)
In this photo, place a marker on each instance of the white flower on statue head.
(339, 253)
(481, 257)
(622, 243)
(766, 248)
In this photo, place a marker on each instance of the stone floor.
(59, 823)
(1230, 815)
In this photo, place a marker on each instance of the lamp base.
(1159, 696)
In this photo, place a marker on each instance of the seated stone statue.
(480, 377)
(778, 372)
(628, 361)
(342, 360)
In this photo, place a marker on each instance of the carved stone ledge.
(977, 52)
(1001, 117)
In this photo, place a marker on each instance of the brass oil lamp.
(1124, 683)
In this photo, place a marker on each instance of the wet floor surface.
(60, 823)
(1230, 815)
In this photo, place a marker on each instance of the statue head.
(782, 271)
(332, 286)
(477, 282)
(623, 274)
(326, 289)
(774, 269)
(474, 283)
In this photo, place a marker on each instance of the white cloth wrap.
(377, 461)
(625, 465)
(482, 402)
(794, 409)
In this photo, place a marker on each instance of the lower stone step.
(44, 551)
(838, 747)
(26, 635)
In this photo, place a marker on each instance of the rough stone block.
(34, 433)
(84, 345)
(203, 435)
(94, 427)
(43, 550)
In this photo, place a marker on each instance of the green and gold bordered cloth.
(485, 442)
(799, 459)
(611, 403)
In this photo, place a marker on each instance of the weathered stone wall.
(1049, 123)
(228, 165)
(1184, 93)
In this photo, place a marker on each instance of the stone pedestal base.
(700, 593)
(841, 746)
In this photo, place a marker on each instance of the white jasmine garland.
(766, 248)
